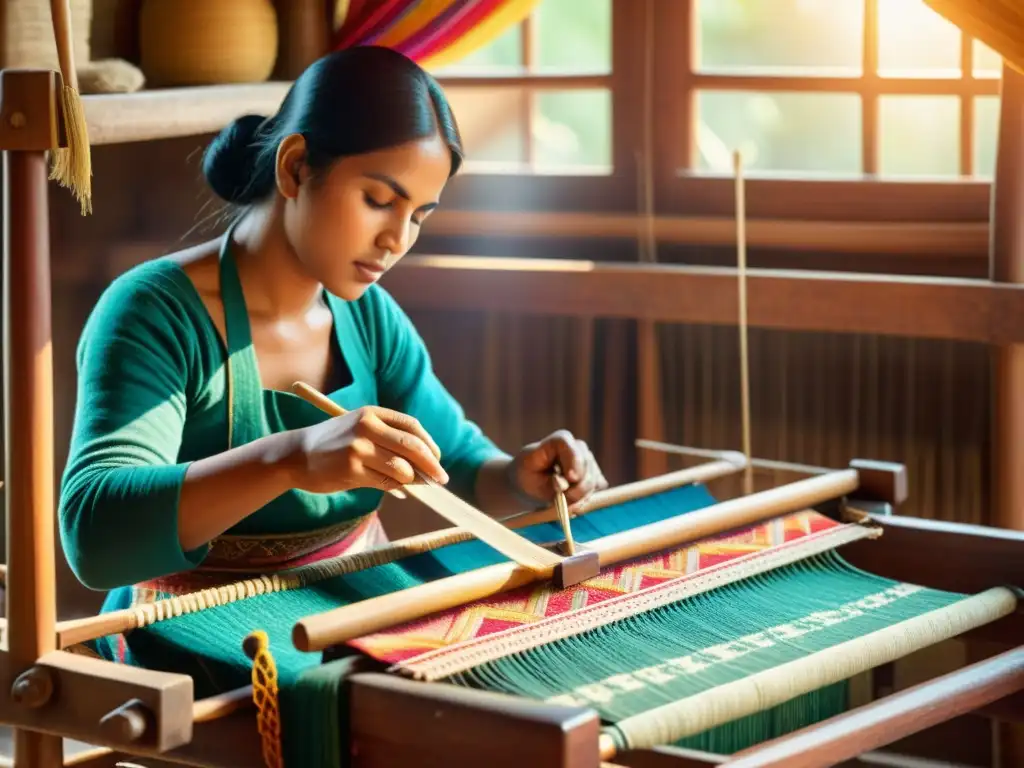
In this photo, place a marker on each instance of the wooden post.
(304, 34)
(1007, 266)
(29, 114)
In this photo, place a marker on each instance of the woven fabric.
(421, 642)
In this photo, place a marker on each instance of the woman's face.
(356, 220)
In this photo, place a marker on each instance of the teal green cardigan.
(152, 397)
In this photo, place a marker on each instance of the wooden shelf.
(174, 112)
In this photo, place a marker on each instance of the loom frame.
(47, 693)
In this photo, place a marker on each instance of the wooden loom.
(48, 693)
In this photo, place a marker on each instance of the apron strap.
(247, 420)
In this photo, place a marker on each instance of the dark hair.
(349, 102)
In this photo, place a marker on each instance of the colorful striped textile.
(434, 33)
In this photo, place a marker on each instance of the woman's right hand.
(371, 447)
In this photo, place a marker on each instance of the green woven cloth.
(637, 664)
(621, 669)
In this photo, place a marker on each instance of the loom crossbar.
(319, 632)
(894, 717)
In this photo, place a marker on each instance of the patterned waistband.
(233, 558)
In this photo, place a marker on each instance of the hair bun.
(230, 160)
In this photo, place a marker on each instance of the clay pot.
(207, 42)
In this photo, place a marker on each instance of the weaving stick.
(320, 631)
(741, 274)
(452, 508)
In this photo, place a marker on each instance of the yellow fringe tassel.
(72, 165)
(264, 695)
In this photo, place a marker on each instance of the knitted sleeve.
(118, 509)
(408, 383)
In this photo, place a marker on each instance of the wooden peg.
(880, 481)
(127, 723)
(33, 688)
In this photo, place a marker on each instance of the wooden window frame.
(654, 82)
(684, 190)
(563, 192)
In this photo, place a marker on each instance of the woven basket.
(29, 43)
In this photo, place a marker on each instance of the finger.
(389, 464)
(407, 423)
(592, 478)
(407, 445)
(558, 447)
(581, 490)
(374, 479)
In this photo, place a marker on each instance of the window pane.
(574, 35)
(919, 135)
(914, 39)
(987, 63)
(572, 131)
(492, 122)
(823, 35)
(501, 56)
(986, 135)
(816, 133)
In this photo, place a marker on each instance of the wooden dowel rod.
(318, 632)
(28, 405)
(895, 717)
(772, 464)
(74, 631)
(620, 494)
(222, 705)
(89, 757)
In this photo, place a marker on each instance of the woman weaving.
(191, 462)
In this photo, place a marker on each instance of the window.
(537, 100)
(838, 88)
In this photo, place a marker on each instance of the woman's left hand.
(533, 469)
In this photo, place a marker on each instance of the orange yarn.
(264, 694)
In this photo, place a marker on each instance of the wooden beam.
(114, 705)
(927, 85)
(1007, 266)
(402, 722)
(921, 238)
(954, 557)
(966, 310)
(892, 718)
